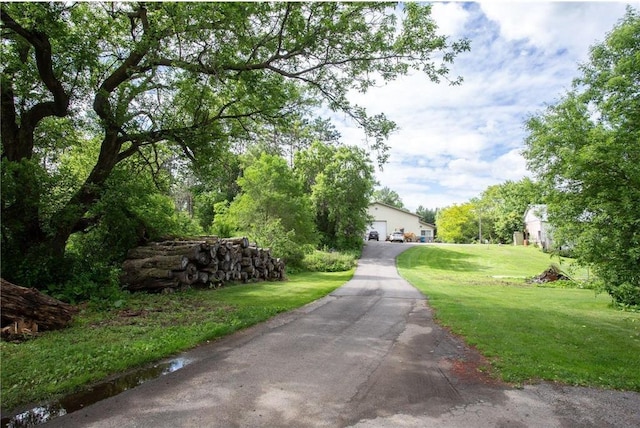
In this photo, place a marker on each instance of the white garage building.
(388, 219)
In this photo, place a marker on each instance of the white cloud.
(451, 18)
(454, 142)
(553, 25)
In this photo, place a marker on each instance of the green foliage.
(341, 183)
(387, 196)
(625, 295)
(216, 181)
(503, 207)
(132, 210)
(143, 84)
(585, 151)
(458, 223)
(89, 280)
(224, 224)
(282, 243)
(327, 261)
(18, 178)
(273, 209)
(299, 134)
(427, 215)
(204, 209)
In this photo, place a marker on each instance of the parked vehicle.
(397, 237)
(374, 235)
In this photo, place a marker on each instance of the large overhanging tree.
(188, 76)
(586, 152)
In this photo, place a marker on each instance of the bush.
(95, 282)
(282, 243)
(324, 261)
(626, 296)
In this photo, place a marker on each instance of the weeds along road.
(368, 355)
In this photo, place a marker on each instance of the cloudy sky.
(454, 142)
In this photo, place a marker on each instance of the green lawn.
(144, 329)
(527, 332)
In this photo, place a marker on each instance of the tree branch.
(101, 103)
(30, 119)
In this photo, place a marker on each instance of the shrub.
(324, 261)
(95, 282)
(625, 296)
(281, 242)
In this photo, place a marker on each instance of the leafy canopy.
(180, 80)
(428, 215)
(387, 196)
(273, 201)
(340, 180)
(458, 223)
(585, 151)
(503, 207)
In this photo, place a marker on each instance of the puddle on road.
(79, 400)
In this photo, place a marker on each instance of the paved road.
(368, 355)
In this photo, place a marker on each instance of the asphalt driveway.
(368, 355)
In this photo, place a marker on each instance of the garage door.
(381, 227)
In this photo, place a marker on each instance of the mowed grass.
(528, 333)
(146, 328)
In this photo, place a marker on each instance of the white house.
(388, 219)
(536, 226)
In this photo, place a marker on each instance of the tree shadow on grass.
(443, 259)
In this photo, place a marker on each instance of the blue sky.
(454, 142)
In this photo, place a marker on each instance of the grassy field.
(144, 329)
(527, 332)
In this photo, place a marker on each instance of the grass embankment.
(528, 333)
(145, 328)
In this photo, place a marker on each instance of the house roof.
(403, 211)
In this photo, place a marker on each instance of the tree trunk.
(22, 307)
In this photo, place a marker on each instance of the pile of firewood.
(203, 261)
(552, 274)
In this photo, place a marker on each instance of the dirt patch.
(474, 368)
(471, 366)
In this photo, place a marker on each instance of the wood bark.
(208, 261)
(27, 309)
(175, 262)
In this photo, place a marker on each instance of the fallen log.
(176, 262)
(23, 307)
(190, 251)
(186, 278)
(154, 284)
(139, 275)
(243, 242)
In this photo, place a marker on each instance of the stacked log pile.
(203, 261)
